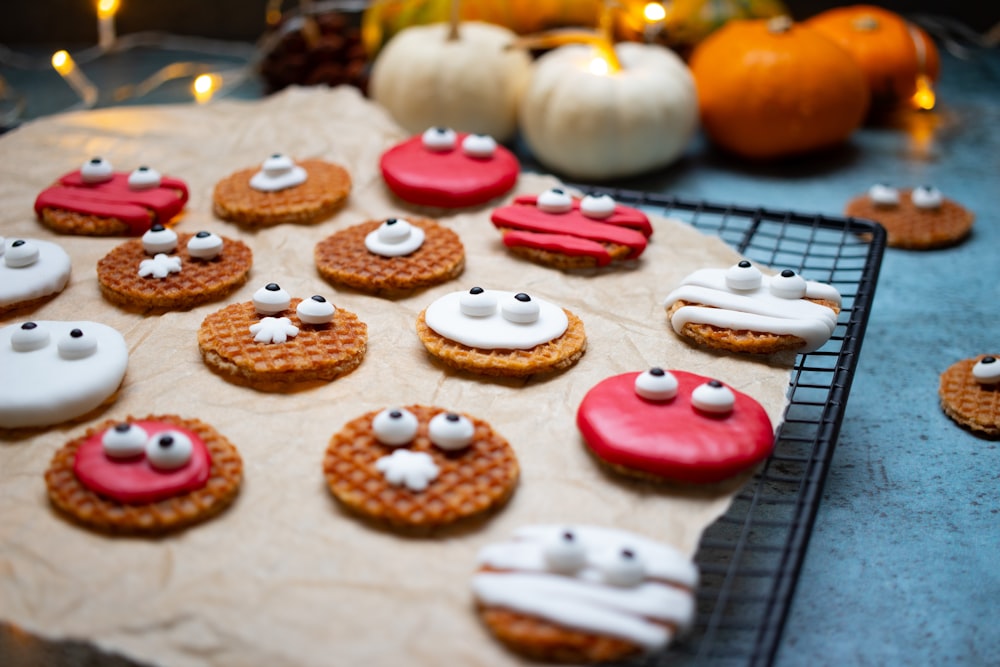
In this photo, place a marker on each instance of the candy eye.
(477, 302)
(271, 299)
(277, 164)
(713, 397)
(159, 239)
(77, 345)
(597, 207)
(987, 371)
(29, 337)
(554, 200)
(169, 450)
(205, 245)
(144, 178)
(656, 384)
(926, 197)
(520, 308)
(788, 285)
(564, 554)
(623, 568)
(451, 431)
(124, 441)
(394, 230)
(395, 427)
(315, 310)
(439, 139)
(96, 170)
(479, 145)
(20, 253)
(743, 276)
(883, 194)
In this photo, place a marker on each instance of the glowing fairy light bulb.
(204, 87)
(654, 12)
(598, 66)
(924, 99)
(64, 64)
(106, 10)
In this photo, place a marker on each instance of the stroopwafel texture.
(93, 510)
(71, 222)
(970, 403)
(199, 281)
(343, 259)
(471, 481)
(556, 355)
(564, 262)
(323, 193)
(317, 354)
(908, 226)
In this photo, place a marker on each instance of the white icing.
(159, 239)
(478, 302)
(718, 400)
(597, 207)
(451, 431)
(315, 310)
(414, 470)
(96, 170)
(926, 197)
(394, 238)
(883, 195)
(41, 387)
(743, 276)
(144, 178)
(77, 344)
(160, 266)
(554, 200)
(21, 254)
(564, 554)
(756, 310)
(656, 384)
(439, 139)
(124, 443)
(271, 299)
(520, 308)
(278, 173)
(273, 330)
(494, 331)
(3, 246)
(205, 247)
(987, 370)
(29, 337)
(395, 427)
(788, 285)
(479, 146)
(169, 450)
(47, 275)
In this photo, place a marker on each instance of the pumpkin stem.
(779, 24)
(606, 34)
(453, 19)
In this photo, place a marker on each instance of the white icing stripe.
(494, 331)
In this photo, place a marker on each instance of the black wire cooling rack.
(750, 558)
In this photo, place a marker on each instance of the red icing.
(626, 226)
(134, 480)
(447, 179)
(673, 439)
(114, 199)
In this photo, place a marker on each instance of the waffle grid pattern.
(971, 404)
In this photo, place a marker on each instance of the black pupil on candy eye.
(166, 441)
(96, 160)
(76, 333)
(476, 290)
(568, 536)
(143, 168)
(989, 360)
(17, 244)
(744, 264)
(391, 221)
(272, 287)
(787, 273)
(440, 130)
(28, 326)
(276, 155)
(658, 372)
(522, 297)
(157, 228)
(122, 428)
(318, 299)
(396, 414)
(203, 235)
(714, 384)
(628, 554)
(557, 191)
(452, 417)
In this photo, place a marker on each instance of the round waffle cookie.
(318, 353)
(344, 259)
(199, 281)
(470, 481)
(95, 510)
(324, 191)
(970, 394)
(914, 228)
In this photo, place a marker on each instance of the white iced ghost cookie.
(30, 271)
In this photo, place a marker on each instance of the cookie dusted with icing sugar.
(742, 310)
(447, 169)
(503, 334)
(31, 272)
(674, 426)
(95, 200)
(53, 372)
(146, 476)
(565, 232)
(917, 219)
(970, 394)
(584, 594)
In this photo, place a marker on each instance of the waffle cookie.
(31, 273)
(917, 219)
(418, 468)
(584, 594)
(145, 476)
(143, 276)
(501, 334)
(970, 394)
(391, 257)
(282, 191)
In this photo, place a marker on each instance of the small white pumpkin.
(594, 126)
(471, 83)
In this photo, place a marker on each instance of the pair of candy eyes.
(99, 170)
(449, 431)
(439, 139)
(659, 385)
(74, 345)
(163, 239)
(519, 308)
(785, 285)
(557, 200)
(566, 555)
(924, 196)
(271, 299)
(167, 450)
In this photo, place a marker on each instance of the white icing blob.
(21, 253)
(96, 170)
(271, 299)
(273, 330)
(394, 238)
(29, 337)
(743, 276)
(713, 397)
(479, 146)
(494, 331)
(77, 344)
(450, 431)
(278, 173)
(315, 310)
(883, 195)
(788, 285)
(47, 275)
(169, 450)
(520, 308)
(926, 197)
(656, 384)
(597, 207)
(159, 239)
(414, 470)
(987, 370)
(124, 441)
(3, 246)
(439, 139)
(477, 302)
(160, 266)
(205, 245)
(395, 427)
(622, 568)
(144, 178)
(554, 200)
(564, 554)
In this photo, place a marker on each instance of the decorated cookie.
(918, 219)
(31, 272)
(970, 394)
(584, 594)
(53, 372)
(567, 232)
(282, 190)
(95, 200)
(742, 310)
(275, 341)
(165, 270)
(448, 169)
(145, 476)
(674, 426)
(420, 467)
(492, 332)
(391, 257)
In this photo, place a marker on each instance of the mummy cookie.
(565, 232)
(739, 309)
(31, 272)
(53, 372)
(919, 219)
(447, 169)
(151, 475)
(970, 394)
(674, 426)
(95, 200)
(499, 333)
(419, 467)
(584, 594)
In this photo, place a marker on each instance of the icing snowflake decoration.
(273, 330)
(415, 470)
(160, 266)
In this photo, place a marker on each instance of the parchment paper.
(284, 576)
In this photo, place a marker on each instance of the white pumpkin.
(469, 84)
(593, 126)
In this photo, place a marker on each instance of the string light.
(203, 87)
(106, 10)
(64, 64)
(924, 99)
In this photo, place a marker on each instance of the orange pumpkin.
(892, 52)
(771, 88)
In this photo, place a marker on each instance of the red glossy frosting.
(673, 439)
(447, 179)
(139, 209)
(134, 480)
